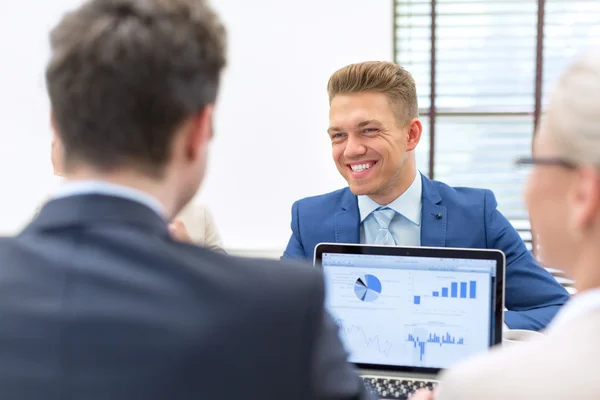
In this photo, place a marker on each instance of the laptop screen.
(407, 311)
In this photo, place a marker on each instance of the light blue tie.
(384, 216)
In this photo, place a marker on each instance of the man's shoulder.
(325, 198)
(459, 192)
(271, 275)
(445, 190)
(7, 243)
(462, 197)
(324, 205)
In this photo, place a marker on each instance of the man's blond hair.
(378, 77)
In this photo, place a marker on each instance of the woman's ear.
(584, 201)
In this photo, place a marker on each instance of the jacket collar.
(433, 217)
(96, 209)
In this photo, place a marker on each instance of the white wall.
(25, 170)
(271, 146)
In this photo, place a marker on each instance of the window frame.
(433, 112)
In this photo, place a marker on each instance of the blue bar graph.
(417, 299)
(433, 338)
(454, 289)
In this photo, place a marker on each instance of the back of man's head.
(126, 74)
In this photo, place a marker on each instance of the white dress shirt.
(406, 224)
(74, 188)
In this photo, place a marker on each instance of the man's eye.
(370, 130)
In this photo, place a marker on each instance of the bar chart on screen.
(468, 290)
(464, 294)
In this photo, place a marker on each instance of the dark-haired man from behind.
(97, 300)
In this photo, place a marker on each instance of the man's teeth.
(361, 167)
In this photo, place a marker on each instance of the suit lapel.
(347, 220)
(433, 216)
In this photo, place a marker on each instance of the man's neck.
(397, 187)
(158, 189)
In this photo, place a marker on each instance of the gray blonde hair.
(573, 115)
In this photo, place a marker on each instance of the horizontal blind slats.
(570, 27)
(485, 60)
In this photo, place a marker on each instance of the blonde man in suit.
(194, 224)
(563, 198)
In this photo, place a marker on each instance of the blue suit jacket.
(97, 301)
(469, 220)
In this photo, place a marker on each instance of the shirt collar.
(75, 188)
(580, 304)
(407, 204)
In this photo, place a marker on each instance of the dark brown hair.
(125, 74)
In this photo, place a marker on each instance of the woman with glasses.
(563, 198)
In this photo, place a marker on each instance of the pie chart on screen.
(367, 288)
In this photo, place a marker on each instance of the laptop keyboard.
(394, 388)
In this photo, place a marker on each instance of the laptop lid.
(413, 309)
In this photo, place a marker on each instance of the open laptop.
(406, 313)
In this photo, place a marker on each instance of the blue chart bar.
(453, 291)
(417, 299)
(433, 338)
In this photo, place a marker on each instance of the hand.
(423, 394)
(179, 231)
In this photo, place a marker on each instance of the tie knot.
(384, 216)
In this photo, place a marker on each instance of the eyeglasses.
(556, 161)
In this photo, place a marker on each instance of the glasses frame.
(551, 161)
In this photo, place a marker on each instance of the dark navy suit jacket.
(450, 217)
(97, 302)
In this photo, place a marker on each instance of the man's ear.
(54, 125)
(200, 132)
(415, 129)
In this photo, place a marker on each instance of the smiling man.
(374, 130)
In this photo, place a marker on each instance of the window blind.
(484, 70)
(570, 27)
(484, 55)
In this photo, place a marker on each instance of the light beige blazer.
(201, 226)
(565, 364)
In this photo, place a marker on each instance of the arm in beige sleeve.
(212, 239)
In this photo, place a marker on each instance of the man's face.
(547, 191)
(368, 145)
